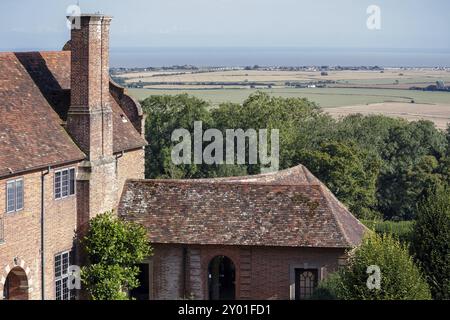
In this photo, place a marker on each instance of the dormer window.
(64, 183)
(14, 195)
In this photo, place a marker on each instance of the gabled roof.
(288, 208)
(34, 100)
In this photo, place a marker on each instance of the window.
(305, 283)
(64, 183)
(14, 195)
(62, 263)
(2, 231)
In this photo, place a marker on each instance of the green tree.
(350, 173)
(444, 170)
(368, 132)
(447, 137)
(431, 241)
(410, 160)
(113, 248)
(400, 278)
(164, 115)
(300, 123)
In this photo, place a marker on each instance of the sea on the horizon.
(277, 56)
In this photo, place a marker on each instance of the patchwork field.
(389, 78)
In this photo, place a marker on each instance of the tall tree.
(164, 115)
(410, 151)
(431, 241)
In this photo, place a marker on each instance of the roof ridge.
(306, 173)
(222, 182)
(342, 206)
(323, 188)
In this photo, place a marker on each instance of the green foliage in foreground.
(401, 279)
(431, 242)
(114, 247)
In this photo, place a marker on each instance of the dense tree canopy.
(164, 115)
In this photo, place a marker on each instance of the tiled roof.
(31, 134)
(289, 208)
(34, 100)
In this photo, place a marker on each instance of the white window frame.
(61, 172)
(63, 276)
(14, 184)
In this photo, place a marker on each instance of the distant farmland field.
(437, 113)
(391, 78)
(325, 97)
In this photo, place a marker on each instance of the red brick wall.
(60, 225)
(22, 232)
(167, 273)
(130, 166)
(261, 272)
(271, 268)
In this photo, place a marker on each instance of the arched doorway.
(221, 279)
(16, 285)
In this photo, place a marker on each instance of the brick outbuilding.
(270, 236)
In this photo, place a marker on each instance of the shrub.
(327, 288)
(400, 277)
(113, 247)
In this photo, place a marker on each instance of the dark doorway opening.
(221, 279)
(305, 283)
(143, 291)
(16, 285)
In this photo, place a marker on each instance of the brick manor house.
(72, 146)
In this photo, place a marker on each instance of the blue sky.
(422, 24)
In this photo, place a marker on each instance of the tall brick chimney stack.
(89, 119)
